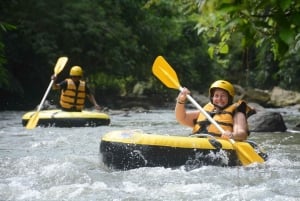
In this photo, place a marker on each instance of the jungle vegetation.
(253, 43)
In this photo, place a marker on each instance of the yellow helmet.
(222, 84)
(76, 71)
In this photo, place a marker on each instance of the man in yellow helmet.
(232, 117)
(74, 91)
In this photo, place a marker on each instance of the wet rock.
(282, 98)
(265, 121)
(277, 97)
(258, 96)
(297, 127)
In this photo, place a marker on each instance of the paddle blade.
(246, 154)
(60, 64)
(32, 122)
(165, 73)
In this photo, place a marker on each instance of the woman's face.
(220, 98)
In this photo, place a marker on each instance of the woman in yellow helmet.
(232, 117)
(74, 91)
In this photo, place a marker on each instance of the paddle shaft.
(57, 70)
(206, 114)
(32, 122)
(175, 84)
(61, 62)
(45, 96)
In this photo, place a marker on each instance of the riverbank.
(275, 98)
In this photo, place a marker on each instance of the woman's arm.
(240, 126)
(182, 116)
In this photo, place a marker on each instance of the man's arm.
(93, 101)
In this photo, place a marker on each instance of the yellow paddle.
(60, 64)
(165, 73)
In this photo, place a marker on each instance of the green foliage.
(252, 43)
(111, 85)
(4, 74)
(269, 28)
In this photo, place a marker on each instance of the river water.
(65, 164)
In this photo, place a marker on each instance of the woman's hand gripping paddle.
(166, 74)
(60, 64)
